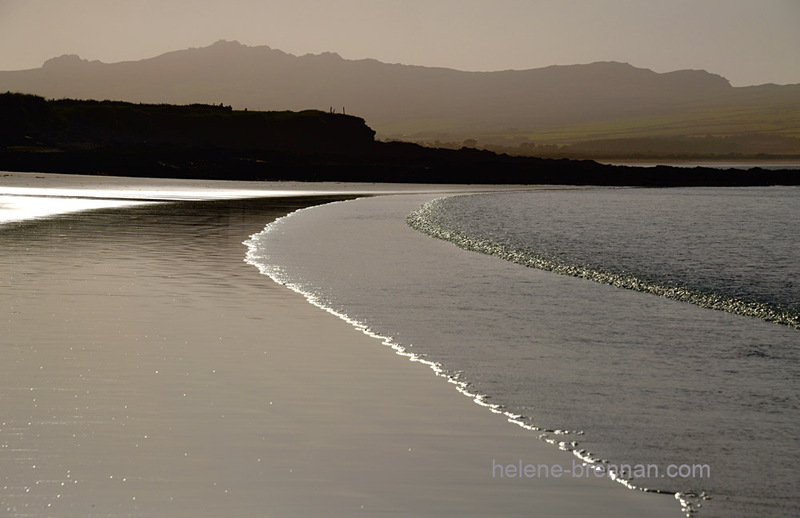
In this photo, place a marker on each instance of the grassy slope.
(770, 118)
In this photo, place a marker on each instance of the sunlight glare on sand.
(22, 203)
(19, 208)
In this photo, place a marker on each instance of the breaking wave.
(441, 218)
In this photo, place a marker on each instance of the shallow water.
(103, 363)
(634, 378)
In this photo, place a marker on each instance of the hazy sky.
(747, 41)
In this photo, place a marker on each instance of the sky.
(747, 41)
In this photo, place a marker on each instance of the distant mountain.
(558, 104)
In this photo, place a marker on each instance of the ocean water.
(616, 376)
(727, 249)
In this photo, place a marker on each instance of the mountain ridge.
(235, 45)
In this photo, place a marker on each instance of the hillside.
(560, 105)
(32, 122)
(205, 141)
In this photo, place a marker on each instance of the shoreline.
(154, 372)
(26, 196)
(766, 163)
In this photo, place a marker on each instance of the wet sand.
(146, 370)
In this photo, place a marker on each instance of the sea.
(630, 327)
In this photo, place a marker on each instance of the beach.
(147, 370)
